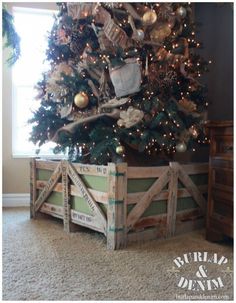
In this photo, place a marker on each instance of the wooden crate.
(124, 203)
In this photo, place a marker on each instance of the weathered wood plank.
(192, 189)
(161, 219)
(143, 203)
(41, 184)
(116, 211)
(46, 164)
(85, 220)
(121, 208)
(145, 172)
(32, 187)
(83, 169)
(49, 187)
(77, 218)
(65, 194)
(112, 196)
(188, 226)
(53, 210)
(196, 168)
(87, 197)
(172, 200)
(133, 198)
(124, 186)
(91, 170)
(160, 233)
(99, 196)
(154, 172)
(143, 236)
(150, 221)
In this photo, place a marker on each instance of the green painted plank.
(77, 203)
(186, 203)
(54, 198)
(160, 207)
(80, 205)
(94, 182)
(103, 208)
(97, 183)
(43, 174)
(201, 179)
(134, 185)
(139, 185)
(155, 208)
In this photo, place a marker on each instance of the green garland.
(11, 36)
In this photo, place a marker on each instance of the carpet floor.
(41, 262)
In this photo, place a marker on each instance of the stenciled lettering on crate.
(123, 216)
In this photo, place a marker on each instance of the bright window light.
(33, 26)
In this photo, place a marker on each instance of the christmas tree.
(123, 77)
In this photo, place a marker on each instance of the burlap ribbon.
(71, 128)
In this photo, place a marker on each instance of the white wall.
(15, 171)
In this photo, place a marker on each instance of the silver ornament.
(181, 11)
(181, 147)
(140, 34)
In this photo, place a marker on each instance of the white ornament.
(130, 117)
(181, 147)
(181, 11)
(140, 35)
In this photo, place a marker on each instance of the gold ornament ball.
(181, 147)
(181, 11)
(150, 17)
(120, 150)
(81, 100)
(159, 34)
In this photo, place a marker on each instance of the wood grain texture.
(192, 188)
(118, 226)
(85, 220)
(91, 170)
(133, 198)
(49, 187)
(155, 172)
(195, 168)
(100, 197)
(46, 164)
(161, 219)
(112, 195)
(65, 194)
(142, 205)
(32, 187)
(53, 210)
(172, 200)
(87, 197)
(145, 172)
(144, 235)
(116, 210)
(220, 198)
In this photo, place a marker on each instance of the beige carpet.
(41, 262)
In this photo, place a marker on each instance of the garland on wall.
(9, 34)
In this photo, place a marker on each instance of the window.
(33, 26)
